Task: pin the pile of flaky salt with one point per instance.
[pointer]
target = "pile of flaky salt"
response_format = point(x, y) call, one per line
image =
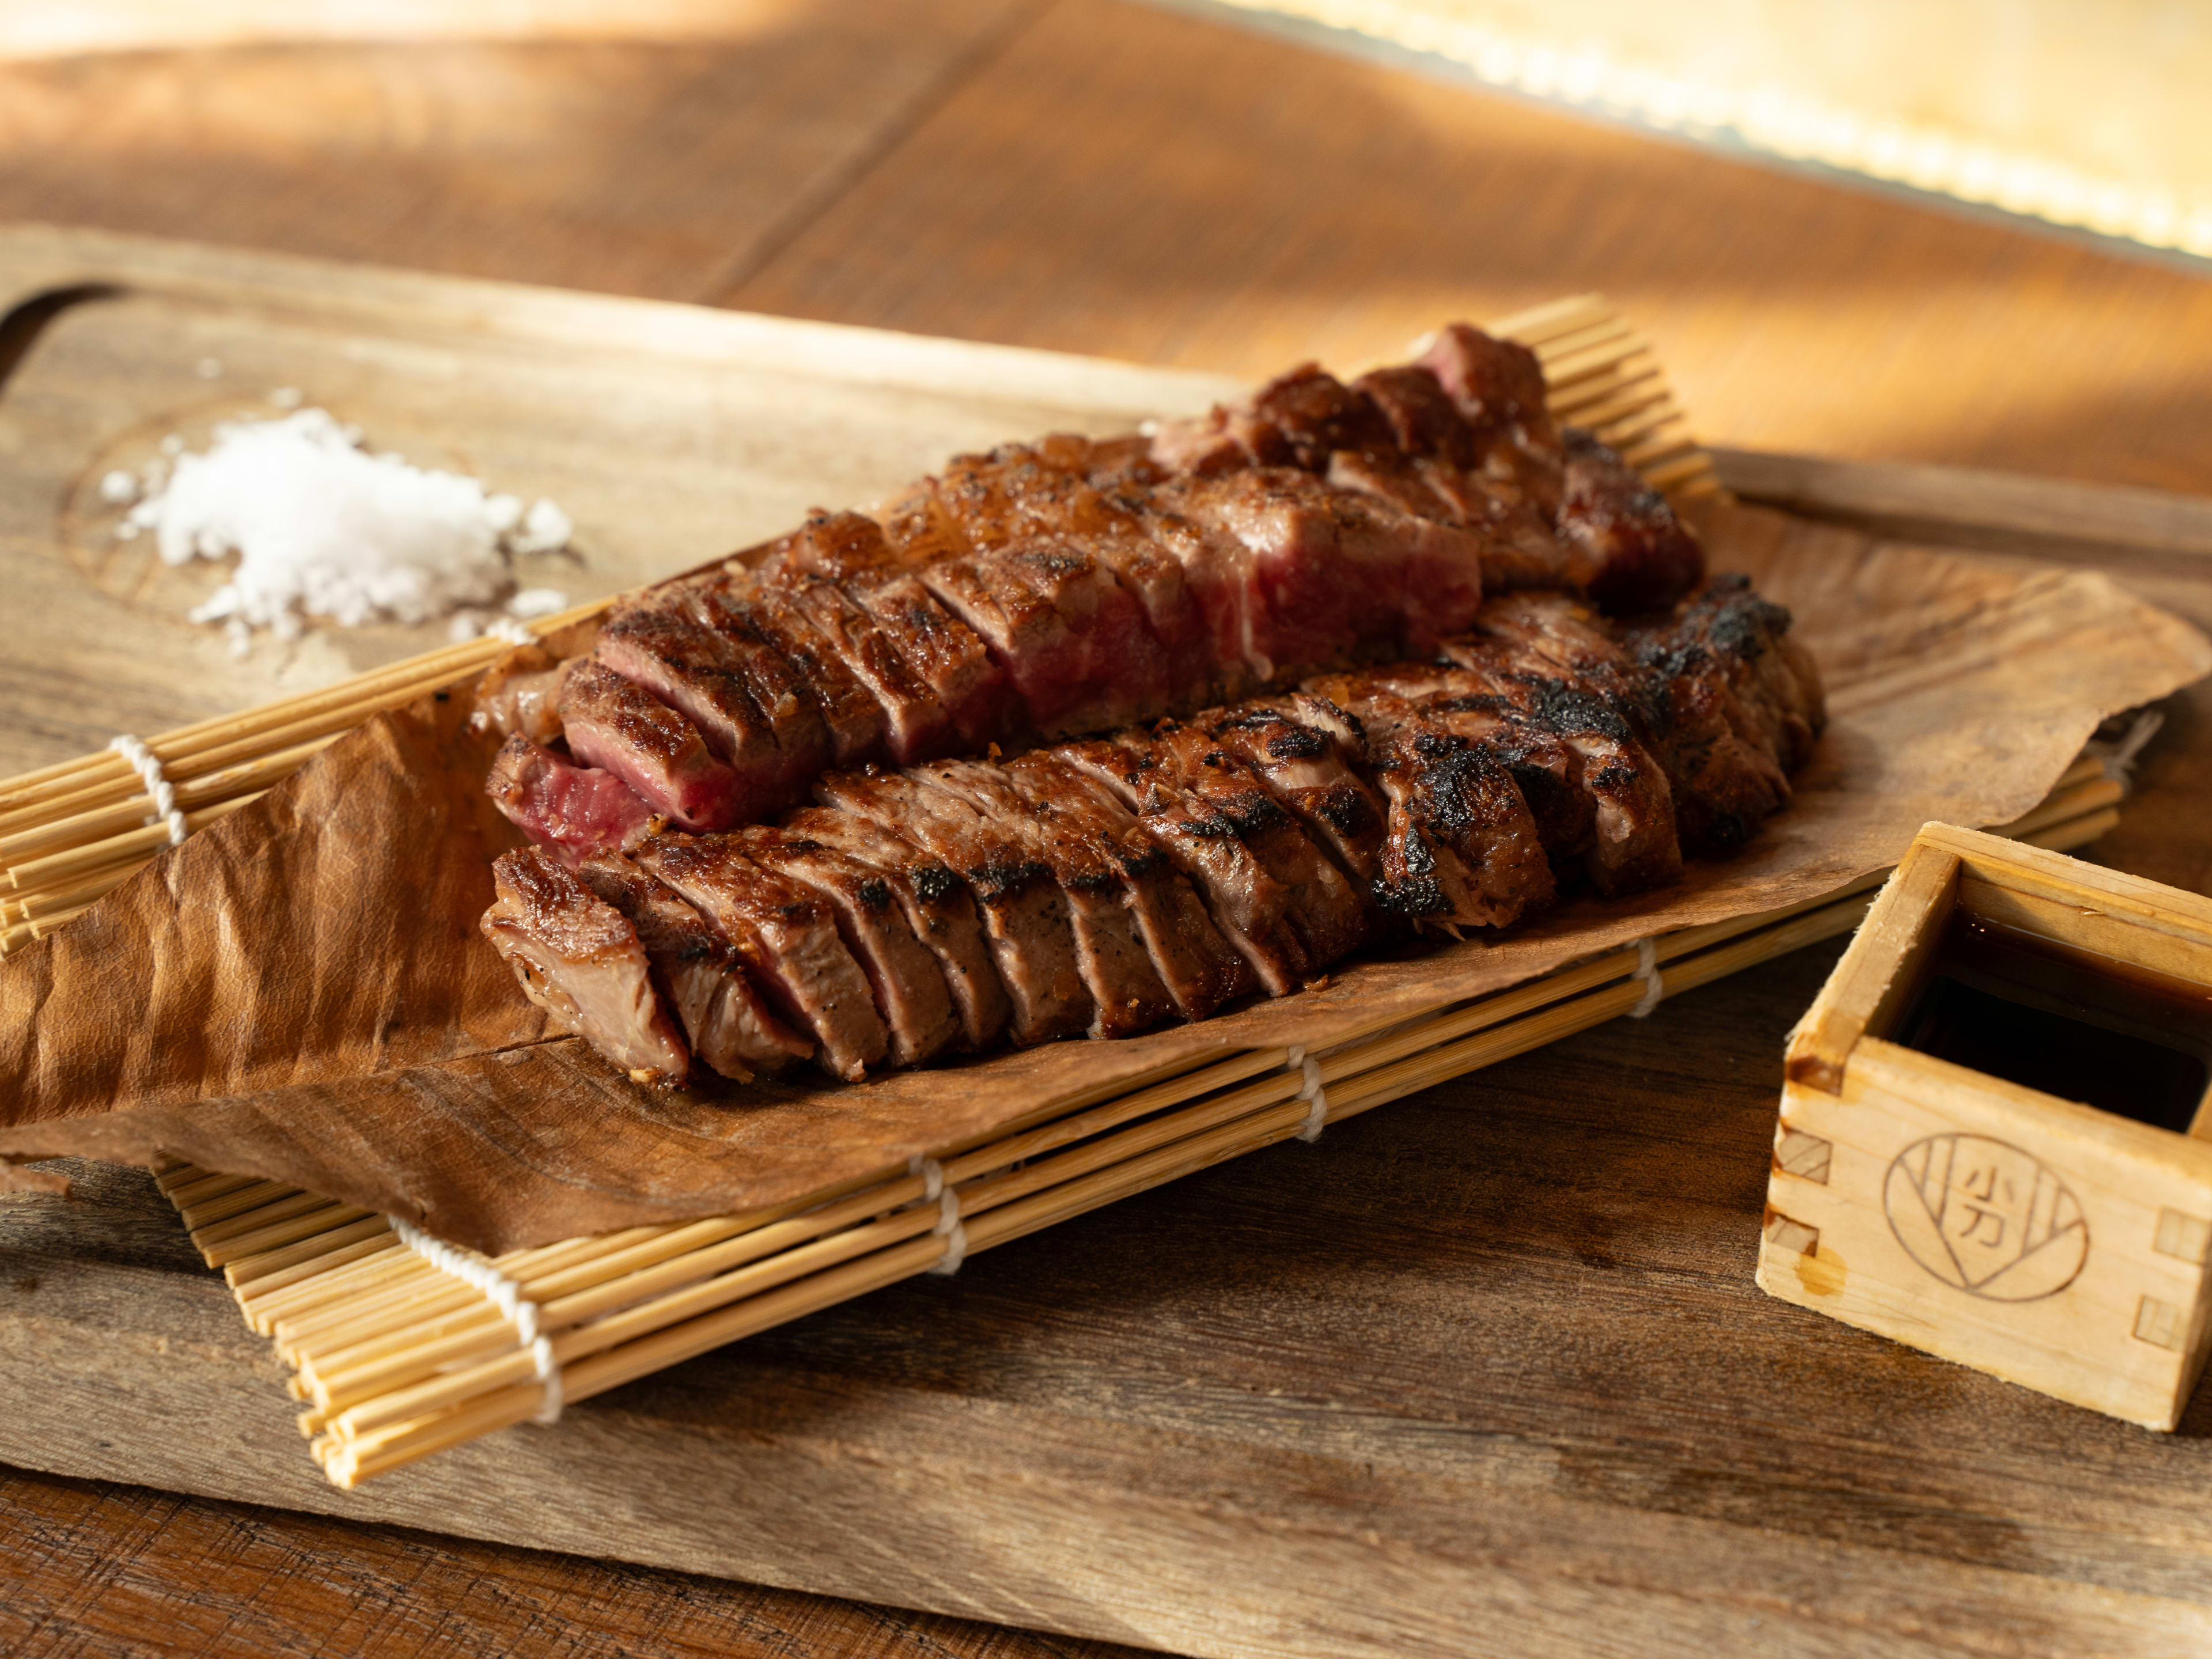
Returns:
point(322, 527)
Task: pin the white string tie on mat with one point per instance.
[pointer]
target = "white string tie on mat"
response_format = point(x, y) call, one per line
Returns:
point(1310, 1091)
point(504, 1293)
point(2116, 757)
point(1647, 971)
point(934, 1190)
point(148, 767)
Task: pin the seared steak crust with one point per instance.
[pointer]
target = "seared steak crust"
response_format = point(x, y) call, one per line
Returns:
point(578, 958)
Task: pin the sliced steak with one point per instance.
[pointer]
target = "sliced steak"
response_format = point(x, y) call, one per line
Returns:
point(1773, 675)
point(1026, 916)
point(579, 960)
point(1741, 706)
point(831, 546)
point(1188, 953)
point(1602, 798)
point(1462, 848)
point(787, 704)
point(1324, 577)
point(1303, 748)
point(1641, 557)
point(1326, 913)
point(1126, 994)
point(788, 939)
point(579, 811)
point(728, 1025)
point(1498, 388)
point(944, 655)
point(1676, 695)
point(660, 644)
point(653, 748)
point(937, 907)
point(1074, 643)
point(911, 992)
point(858, 723)
point(916, 725)
point(1251, 908)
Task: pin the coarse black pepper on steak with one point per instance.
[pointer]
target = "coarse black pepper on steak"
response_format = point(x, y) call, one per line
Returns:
point(1313, 731)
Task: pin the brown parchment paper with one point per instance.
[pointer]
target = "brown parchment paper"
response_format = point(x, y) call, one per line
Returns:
point(300, 992)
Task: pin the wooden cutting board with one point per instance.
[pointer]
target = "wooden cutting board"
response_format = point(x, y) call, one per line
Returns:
point(1482, 1372)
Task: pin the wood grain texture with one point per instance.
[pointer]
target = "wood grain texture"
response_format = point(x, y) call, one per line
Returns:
point(639, 166)
point(1162, 187)
point(97, 1567)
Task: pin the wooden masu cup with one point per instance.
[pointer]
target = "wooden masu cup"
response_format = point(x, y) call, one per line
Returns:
point(2045, 1242)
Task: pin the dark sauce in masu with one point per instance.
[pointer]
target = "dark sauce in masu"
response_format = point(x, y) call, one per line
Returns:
point(2069, 1022)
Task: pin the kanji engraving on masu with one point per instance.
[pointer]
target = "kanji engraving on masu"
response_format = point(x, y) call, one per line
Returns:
point(1986, 1218)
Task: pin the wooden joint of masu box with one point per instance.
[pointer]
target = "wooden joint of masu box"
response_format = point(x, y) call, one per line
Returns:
point(2055, 1244)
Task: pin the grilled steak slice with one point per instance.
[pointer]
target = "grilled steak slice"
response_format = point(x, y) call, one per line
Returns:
point(1297, 575)
point(1303, 748)
point(937, 908)
point(787, 704)
point(1193, 961)
point(1600, 797)
point(911, 992)
point(1774, 676)
point(1462, 848)
point(944, 655)
point(729, 1027)
point(832, 546)
point(1497, 385)
point(1026, 916)
point(1075, 643)
point(787, 938)
point(1248, 904)
point(1326, 912)
point(916, 726)
point(1125, 992)
point(653, 748)
point(581, 961)
point(579, 811)
point(1641, 555)
point(1679, 703)
point(1742, 704)
point(858, 723)
point(660, 644)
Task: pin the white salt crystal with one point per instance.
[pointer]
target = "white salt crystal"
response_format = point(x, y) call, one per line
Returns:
point(464, 626)
point(287, 397)
point(173, 444)
point(322, 528)
point(545, 529)
point(537, 602)
point(118, 486)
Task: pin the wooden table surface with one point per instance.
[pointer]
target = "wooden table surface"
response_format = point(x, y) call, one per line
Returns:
point(1082, 175)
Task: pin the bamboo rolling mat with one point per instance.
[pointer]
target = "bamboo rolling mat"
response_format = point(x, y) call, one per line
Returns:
point(398, 1356)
